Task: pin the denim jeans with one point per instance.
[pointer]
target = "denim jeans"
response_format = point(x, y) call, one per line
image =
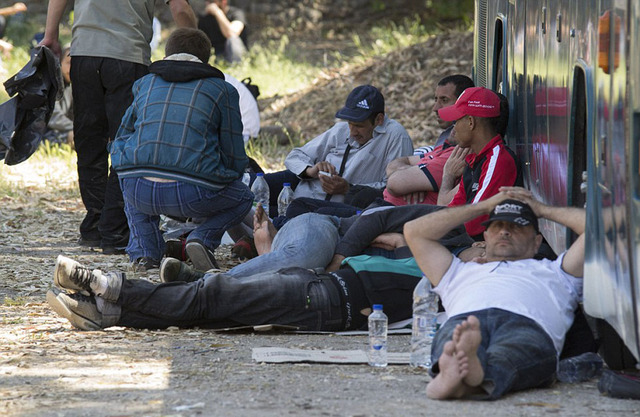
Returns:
point(515, 352)
point(101, 95)
point(307, 241)
point(145, 200)
point(293, 296)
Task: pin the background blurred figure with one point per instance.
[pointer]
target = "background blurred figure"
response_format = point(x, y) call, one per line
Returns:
point(226, 27)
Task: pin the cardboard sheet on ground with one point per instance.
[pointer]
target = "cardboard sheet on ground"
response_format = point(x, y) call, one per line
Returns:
point(286, 355)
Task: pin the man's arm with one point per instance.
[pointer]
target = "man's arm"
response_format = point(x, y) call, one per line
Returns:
point(55, 10)
point(572, 217)
point(403, 162)
point(11, 10)
point(183, 14)
point(423, 234)
point(228, 29)
point(408, 181)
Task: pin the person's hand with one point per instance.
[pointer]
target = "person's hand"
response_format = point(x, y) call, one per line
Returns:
point(324, 166)
point(476, 253)
point(212, 8)
point(19, 7)
point(456, 163)
point(389, 241)
point(333, 184)
point(52, 44)
point(526, 196)
point(415, 197)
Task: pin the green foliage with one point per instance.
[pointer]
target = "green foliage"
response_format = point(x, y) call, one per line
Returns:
point(451, 10)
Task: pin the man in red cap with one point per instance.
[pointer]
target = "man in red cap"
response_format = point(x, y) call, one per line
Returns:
point(480, 115)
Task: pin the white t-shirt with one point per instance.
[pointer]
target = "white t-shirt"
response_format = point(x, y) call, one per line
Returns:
point(248, 109)
point(537, 289)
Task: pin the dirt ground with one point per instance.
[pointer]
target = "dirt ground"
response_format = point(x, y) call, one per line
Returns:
point(49, 369)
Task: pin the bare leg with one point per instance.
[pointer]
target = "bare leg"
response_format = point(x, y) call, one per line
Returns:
point(449, 382)
point(467, 338)
point(263, 231)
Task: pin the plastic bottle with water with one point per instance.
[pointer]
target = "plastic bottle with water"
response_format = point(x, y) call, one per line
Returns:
point(378, 323)
point(580, 368)
point(423, 329)
point(260, 190)
point(284, 198)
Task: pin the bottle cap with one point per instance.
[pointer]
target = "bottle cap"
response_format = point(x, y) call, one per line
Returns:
point(260, 174)
point(286, 184)
point(377, 306)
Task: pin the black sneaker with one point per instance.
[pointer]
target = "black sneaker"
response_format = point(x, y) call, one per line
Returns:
point(144, 264)
point(201, 257)
point(79, 309)
point(113, 250)
point(175, 248)
point(89, 243)
point(71, 275)
point(172, 270)
point(620, 384)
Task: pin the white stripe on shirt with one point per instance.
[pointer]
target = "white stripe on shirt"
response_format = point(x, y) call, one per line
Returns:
point(487, 178)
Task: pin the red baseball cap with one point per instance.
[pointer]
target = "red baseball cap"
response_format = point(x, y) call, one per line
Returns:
point(474, 101)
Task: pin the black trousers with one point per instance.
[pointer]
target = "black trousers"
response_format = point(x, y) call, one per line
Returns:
point(101, 95)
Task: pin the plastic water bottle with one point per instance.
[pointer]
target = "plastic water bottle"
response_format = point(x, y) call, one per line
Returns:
point(260, 190)
point(378, 322)
point(580, 368)
point(425, 313)
point(284, 198)
point(246, 178)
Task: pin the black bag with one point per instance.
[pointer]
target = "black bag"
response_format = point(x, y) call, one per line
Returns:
point(255, 91)
point(24, 118)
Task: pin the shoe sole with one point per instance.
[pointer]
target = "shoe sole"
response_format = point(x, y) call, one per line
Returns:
point(59, 277)
point(76, 320)
point(163, 275)
point(199, 256)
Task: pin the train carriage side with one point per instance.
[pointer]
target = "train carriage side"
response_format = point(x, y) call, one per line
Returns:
point(571, 71)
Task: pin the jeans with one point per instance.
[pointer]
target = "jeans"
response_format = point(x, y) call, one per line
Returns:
point(145, 200)
point(515, 352)
point(101, 95)
point(307, 241)
point(293, 296)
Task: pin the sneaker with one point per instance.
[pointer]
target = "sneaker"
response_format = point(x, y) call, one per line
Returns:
point(113, 250)
point(201, 257)
point(172, 270)
point(79, 309)
point(144, 264)
point(89, 243)
point(71, 275)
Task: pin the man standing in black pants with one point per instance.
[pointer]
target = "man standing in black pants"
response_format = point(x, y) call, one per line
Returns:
point(110, 50)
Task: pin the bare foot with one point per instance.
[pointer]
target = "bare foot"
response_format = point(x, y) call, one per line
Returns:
point(449, 382)
point(467, 338)
point(263, 231)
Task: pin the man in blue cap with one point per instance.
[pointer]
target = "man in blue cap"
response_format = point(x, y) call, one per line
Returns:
point(355, 150)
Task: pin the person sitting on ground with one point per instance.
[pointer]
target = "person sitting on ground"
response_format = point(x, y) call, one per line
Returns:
point(481, 118)
point(61, 123)
point(353, 152)
point(508, 314)
point(416, 179)
point(179, 162)
point(226, 27)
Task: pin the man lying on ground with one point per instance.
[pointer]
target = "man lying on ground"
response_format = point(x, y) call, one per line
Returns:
point(508, 314)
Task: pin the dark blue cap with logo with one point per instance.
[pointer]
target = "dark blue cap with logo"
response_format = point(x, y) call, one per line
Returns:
point(513, 211)
point(363, 101)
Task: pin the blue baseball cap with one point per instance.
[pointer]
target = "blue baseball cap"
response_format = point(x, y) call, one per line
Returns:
point(362, 102)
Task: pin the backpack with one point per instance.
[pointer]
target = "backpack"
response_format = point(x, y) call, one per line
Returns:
point(254, 89)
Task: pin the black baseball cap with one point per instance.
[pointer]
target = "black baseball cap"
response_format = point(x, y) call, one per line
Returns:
point(513, 211)
point(361, 103)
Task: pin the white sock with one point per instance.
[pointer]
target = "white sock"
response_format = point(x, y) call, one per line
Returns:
point(99, 285)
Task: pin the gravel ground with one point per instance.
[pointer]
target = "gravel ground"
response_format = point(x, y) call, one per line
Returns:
point(49, 369)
